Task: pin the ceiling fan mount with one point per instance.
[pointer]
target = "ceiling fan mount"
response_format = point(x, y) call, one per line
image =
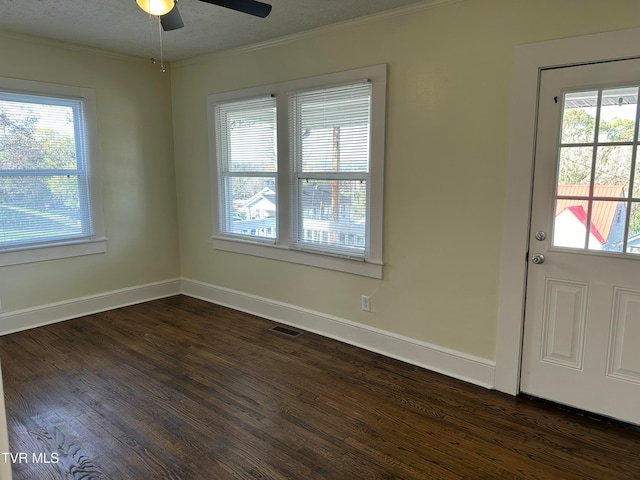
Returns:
point(170, 17)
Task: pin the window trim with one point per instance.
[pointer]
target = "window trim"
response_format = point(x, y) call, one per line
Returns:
point(65, 248)
point(372, 265)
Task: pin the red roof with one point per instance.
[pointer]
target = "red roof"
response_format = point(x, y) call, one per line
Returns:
point(581, 215)
point(603, 212)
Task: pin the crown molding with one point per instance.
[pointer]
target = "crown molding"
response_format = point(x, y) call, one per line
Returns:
point(315, 32)
point(49, 42)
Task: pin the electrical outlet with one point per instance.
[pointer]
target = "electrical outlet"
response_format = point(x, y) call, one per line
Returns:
point(365, 303)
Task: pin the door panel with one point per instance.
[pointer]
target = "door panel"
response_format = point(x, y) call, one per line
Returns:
point(623, 358)
point(563, 322)
point(582, 319)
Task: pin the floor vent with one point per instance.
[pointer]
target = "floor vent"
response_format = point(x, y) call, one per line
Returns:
point(286, 331)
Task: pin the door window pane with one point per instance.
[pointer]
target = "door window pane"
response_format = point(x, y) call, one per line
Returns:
point(579, 117)
point(633, 238)
point(613, 169)
point(607, 225)
point(636, 179)
point(575, 165)
point(569, 224)
point(618, 114)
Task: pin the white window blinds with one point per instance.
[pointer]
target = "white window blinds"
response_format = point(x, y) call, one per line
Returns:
point(247, 168)
point(44, 178)
point(314, 197)
point(330, 141)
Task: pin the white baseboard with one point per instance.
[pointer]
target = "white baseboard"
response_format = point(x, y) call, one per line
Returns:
point(449, 362)
point(57, 312)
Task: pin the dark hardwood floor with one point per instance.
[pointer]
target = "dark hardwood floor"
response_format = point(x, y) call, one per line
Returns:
point(182, 389)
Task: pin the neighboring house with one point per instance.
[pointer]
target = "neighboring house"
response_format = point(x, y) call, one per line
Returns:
point(257, 216)
point(570, 227)
point(261, 205)
point(317, 203)
point(607, 217)
point(326, 224)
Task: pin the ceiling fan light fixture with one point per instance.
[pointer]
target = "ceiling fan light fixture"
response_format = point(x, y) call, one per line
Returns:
point(156, 7)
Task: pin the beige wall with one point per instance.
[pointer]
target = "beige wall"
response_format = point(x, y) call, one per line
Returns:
point(450, 73)
point(137, 173)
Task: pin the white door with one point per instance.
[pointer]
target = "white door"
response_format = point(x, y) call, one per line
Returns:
point(582, 319)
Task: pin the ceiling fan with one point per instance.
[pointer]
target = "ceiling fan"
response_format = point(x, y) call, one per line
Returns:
point(170, 17)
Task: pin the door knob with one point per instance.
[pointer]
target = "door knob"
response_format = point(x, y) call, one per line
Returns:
point(538, 258)
point(541, 236)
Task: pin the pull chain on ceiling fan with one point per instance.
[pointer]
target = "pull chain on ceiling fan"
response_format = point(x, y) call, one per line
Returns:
point(169, 16)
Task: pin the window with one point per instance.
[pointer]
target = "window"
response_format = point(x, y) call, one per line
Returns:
point(246, 139)
point(48, 189)
point(330, 144)
point(597, 202)
point(298, 170)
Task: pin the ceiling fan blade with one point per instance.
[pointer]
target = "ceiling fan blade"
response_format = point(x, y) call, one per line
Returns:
point(252, 7)
point(172, 20)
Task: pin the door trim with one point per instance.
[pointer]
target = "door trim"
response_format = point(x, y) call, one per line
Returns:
point(529, 61)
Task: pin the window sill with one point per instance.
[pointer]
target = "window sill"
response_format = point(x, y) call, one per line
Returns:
point(368, 268)
point(52, 252)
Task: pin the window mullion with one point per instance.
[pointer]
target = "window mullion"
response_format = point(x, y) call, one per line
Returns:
point(285, 171)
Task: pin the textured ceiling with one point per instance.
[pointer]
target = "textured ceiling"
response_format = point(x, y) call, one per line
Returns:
point(120, 26)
